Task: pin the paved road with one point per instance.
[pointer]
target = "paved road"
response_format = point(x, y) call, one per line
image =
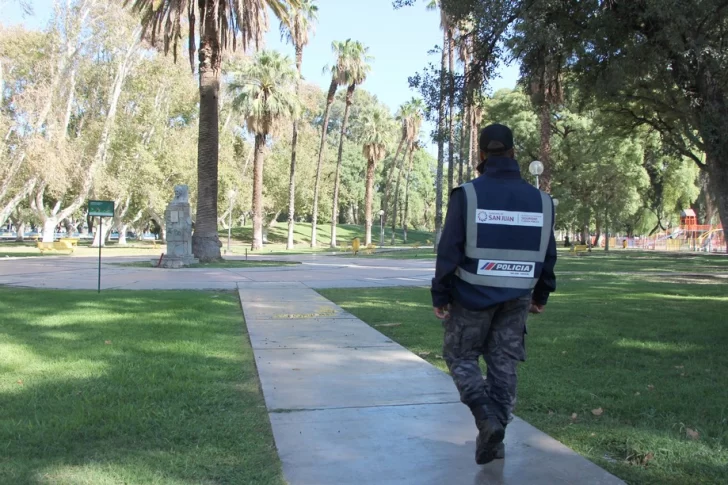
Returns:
point(314, 271)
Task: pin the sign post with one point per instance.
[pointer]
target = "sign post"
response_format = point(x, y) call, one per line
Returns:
point(100, 209)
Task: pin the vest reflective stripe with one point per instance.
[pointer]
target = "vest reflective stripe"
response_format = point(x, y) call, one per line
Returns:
point(472, 250)
point(496, 281)
point(471, 233)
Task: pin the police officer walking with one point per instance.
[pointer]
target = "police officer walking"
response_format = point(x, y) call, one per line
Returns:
point(495, 263)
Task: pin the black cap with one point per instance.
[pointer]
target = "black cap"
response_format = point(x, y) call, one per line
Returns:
point(496, 138)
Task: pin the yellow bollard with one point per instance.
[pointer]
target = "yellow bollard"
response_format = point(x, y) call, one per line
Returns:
point(355, 245)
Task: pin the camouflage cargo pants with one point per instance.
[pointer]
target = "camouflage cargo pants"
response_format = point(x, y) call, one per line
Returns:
point(497, 334)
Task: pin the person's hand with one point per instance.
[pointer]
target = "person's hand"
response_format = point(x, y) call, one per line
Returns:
point(536, 308)
point(442, 313)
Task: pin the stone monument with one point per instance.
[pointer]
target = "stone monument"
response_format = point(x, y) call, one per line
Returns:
point(178, 221)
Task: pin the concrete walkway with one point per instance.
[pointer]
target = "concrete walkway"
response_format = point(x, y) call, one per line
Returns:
point(348, 405)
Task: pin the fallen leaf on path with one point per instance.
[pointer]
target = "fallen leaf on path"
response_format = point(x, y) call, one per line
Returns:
point(597, 411)
point(692, 434)
point(107, 342)
point(387, 324)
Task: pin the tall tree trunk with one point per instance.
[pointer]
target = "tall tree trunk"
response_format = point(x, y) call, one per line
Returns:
point(316, 186)
point(545, 151)
point(335, 209)
point(718, 180)
point(475, 149)
point(606, 231)
point(461, 151)
point(451, 110)
point(396, 199)
point(368, 201)
point(710, 206)
point(294, 143)
point(405, 218)
point(390, 177)
point(14, 202)
point(20, 231)
point(101, 234)
point(205, 240)
point(258, 193)
point(440, 143)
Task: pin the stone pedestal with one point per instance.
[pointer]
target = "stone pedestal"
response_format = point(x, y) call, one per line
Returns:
point(178, 221)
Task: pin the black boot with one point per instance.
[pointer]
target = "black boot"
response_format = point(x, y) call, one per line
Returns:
point(500, 450)
point(489, 441)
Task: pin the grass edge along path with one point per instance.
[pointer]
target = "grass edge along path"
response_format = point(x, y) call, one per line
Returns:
point(627, 371)
point(154, 387)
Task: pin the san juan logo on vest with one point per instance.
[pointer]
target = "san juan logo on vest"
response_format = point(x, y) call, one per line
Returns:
point(513, 269)
point(508, 218)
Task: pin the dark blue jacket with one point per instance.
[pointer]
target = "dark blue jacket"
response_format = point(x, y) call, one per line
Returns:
point(502, 175)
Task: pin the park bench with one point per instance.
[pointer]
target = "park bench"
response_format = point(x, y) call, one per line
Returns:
point(55, 246)
point(73, 241)
point(579, 248)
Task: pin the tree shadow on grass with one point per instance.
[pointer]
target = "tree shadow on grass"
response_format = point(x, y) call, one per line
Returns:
point(130, 388)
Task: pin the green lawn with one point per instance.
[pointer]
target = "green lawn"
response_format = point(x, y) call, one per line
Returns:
point(225, 263)
point(278, 235)
point(616, 261)
point(649, 351)
point(153, 387)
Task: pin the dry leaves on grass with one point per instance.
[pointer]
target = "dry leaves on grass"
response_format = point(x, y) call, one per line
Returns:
point(692, 434)
point(573, 416)
point(551, 413)
point(20, 382)
point(641, 459)
point(107, 342)
point(597, 411)
point(650, 387)
point(387, 324)
point(423, 354)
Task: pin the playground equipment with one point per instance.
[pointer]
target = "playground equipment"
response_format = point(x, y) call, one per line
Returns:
point(689, 236)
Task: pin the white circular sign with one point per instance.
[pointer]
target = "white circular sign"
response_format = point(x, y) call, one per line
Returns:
point(536, 168)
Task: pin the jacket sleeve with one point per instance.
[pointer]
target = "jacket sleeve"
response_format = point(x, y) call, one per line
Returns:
point(547, 281)
point(450, 251)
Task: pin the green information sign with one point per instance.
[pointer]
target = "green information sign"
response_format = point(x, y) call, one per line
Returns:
point(101, 208)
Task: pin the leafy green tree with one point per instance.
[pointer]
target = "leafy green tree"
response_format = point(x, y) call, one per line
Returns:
point(265, 96)
point(376, 126)
point(359, 68)
point(300, 25)
point(349, 57)
point(221, 26)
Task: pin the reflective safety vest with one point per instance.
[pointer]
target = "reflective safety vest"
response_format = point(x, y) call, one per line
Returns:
point(505, 247)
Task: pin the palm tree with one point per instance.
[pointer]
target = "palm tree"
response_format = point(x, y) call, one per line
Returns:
point(220, 22)
point(358, 68)
point(265, 94)
point(376, 128)
point(300, 24)
point(405, 217)
point(411, 115)
point(339, 77)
